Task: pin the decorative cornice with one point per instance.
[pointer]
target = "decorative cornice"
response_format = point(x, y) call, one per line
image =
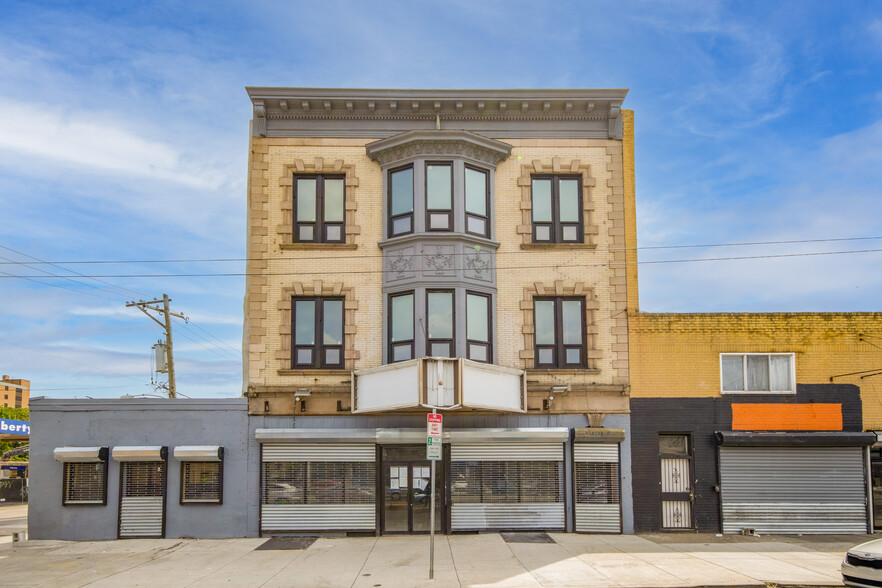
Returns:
point(305, 112)
point(442, 143)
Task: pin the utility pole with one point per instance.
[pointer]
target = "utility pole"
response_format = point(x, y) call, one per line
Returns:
point(166, 325)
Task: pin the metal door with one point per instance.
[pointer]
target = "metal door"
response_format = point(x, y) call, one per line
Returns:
point(793, 489)
point(407, 498)
point(142, 499)
point(675, 455)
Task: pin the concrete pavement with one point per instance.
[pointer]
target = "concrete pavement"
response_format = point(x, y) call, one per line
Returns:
point(460, 560)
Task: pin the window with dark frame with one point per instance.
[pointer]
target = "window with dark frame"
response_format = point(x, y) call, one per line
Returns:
point(401, 201)
point(440, 318)
point(319, 208)
point(557, 209)
point(478, 327)
point(317, 332)
point(401, 340)
point(559, 332)
point(439, 196)
point(84, 483)
point(202, 482)
point(477, 202)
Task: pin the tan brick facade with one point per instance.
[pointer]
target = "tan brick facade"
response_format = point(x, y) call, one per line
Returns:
point(678, 355)
point(279, 269)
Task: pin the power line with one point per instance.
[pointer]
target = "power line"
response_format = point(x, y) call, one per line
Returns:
point(500, 253)
point(496, 268)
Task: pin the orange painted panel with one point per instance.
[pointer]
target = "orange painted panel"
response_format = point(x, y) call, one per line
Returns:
point(786, 417)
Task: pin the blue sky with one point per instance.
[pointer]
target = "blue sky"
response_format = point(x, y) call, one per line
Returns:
point(123, 136)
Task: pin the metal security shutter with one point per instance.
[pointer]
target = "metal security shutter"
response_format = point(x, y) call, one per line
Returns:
point(318, 487)
point(793, 489)
point(507, 486)
point(597, 491)
point(142, 499)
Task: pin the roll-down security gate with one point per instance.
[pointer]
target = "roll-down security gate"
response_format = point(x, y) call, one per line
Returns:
point(793, 489)
point(507, 485)
point(597, 488)
point(143, 472)
point(318, 487)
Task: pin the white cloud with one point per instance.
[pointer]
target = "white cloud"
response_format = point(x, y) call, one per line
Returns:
point(93, 140)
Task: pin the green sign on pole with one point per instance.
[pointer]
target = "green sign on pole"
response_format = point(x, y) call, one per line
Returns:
point(433, 448)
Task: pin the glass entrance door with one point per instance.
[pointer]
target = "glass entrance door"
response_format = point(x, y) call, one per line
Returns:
point(407, 494)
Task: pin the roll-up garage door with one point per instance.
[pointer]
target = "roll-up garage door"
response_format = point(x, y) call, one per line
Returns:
point(793, 489)
point(507, 486)
point(597, 488)
point(142, 499)
point(318, 487)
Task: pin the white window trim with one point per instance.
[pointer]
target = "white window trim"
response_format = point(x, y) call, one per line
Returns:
point(792, 357)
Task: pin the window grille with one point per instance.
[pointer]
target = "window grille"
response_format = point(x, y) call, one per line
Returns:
point(318, 483)
point(597, 483)
point(506, 481)
point(85, 483)
point(201, 481)
point(143, 479)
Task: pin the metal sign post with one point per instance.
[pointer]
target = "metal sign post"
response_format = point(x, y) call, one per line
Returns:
point(433, 453)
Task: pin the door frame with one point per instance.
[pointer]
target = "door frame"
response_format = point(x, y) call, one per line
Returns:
point(442, 483)
point(673, 496)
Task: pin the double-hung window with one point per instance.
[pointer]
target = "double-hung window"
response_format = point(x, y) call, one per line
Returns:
point(557, 209)
point(440, 339)
point(401, 327)
point(439, 196)
point(478, 344)
point(560, 337)
point(319, 209)
point(401, 201)
point(317, 327)
point(477, 202)
point(757, 372)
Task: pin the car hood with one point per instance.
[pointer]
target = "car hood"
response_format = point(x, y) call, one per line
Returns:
point(869, 549)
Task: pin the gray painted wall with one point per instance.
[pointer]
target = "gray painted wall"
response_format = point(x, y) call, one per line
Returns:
point(59, 423)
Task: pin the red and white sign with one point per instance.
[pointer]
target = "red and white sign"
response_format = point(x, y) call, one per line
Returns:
point(433, 422)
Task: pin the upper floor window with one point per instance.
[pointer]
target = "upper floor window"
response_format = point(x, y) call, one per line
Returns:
point(401, 201)
point(557, 209)
point(439, 197)
point(440, 339)
point(478, 343)
point(317, 327)
point(319, 209)
point(477, 202)
point(757, 372)
point(560, 338)
point(401, 343)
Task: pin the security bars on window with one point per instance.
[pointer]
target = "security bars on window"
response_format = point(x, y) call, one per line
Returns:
point(201, 482)
point(512, 482)
point(318, 483)
point(85, 483)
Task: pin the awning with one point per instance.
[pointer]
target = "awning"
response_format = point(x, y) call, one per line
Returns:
point(412, 436)
point(80, 454)
point(798, 439)
point(140, 453)
point(199, 453)
point(598, 435)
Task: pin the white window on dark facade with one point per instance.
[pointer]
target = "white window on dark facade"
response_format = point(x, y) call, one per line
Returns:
point(757, 372)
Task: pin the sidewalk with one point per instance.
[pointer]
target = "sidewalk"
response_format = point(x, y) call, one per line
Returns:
point(460, 560)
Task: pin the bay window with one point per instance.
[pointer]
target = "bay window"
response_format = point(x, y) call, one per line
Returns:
point(439, 311)
point(478, 346)
point(439, 197)
point(401, 341)
point(401, 201)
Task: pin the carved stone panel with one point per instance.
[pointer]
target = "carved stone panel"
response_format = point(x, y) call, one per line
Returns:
point(478, 265)
point(401, 264)
point(439, 260)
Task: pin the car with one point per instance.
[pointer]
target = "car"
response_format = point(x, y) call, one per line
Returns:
point(862, 566)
